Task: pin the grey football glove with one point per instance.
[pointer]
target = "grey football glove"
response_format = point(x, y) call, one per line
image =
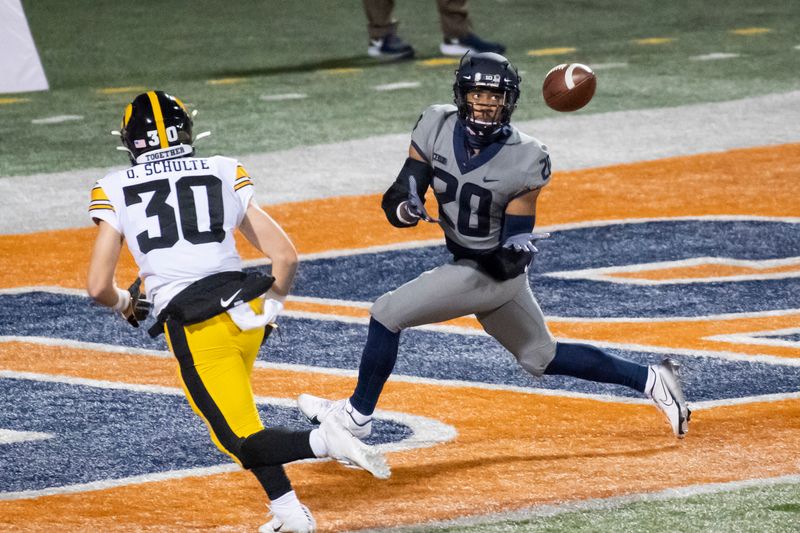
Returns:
point(525, 242)
point(140, 307)
point(414, 205)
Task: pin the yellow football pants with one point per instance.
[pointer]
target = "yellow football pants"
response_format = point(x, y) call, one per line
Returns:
point(215, 361)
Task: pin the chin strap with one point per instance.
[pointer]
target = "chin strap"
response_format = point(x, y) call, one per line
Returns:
point(478, 141)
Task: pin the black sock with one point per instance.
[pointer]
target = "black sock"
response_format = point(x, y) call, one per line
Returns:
point(377, 363)
point(593, 364)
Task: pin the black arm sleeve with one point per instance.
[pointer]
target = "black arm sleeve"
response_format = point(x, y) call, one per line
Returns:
point(398, 192)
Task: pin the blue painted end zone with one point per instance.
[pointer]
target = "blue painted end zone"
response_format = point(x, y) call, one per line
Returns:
point(426, 354)
point(104, 434)
point(366, 276)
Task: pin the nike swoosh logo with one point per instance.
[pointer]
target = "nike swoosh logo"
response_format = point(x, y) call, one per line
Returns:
point(487, 180)
point(667, 397)
point(226, 303)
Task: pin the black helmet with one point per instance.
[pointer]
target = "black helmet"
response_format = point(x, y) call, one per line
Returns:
point(156, 126)
point(491, 71)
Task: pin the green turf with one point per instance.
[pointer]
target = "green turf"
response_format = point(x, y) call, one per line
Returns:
point(279, 47)
point(774, 509)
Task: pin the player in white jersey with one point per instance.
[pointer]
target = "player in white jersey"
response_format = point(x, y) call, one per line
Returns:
point(486, 176)
point(177, 213)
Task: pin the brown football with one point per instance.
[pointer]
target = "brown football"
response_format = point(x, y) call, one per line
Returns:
point(569, 87)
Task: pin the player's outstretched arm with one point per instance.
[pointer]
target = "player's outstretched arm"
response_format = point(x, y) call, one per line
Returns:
point(266, 235)
point(100, 281)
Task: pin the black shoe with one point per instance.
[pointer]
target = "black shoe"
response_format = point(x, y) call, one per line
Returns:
point(469, 43)
point(390, 47)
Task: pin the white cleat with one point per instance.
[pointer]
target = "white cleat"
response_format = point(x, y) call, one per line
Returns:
point(317, 409)
point(667, 395)
point(350, 451)
point(297, 521)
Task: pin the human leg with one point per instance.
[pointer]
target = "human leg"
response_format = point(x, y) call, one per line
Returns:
point(457, 30)
point(454, 18)
point(212, 358)
point(380, 18)
point(520, 327)
point(215, 359)
point(382, 29)
point(446, 292)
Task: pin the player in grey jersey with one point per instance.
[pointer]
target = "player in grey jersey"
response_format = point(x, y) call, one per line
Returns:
point(486, 176)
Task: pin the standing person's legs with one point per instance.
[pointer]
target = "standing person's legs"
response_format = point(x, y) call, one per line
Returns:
point(454, 18)
point(380, 19)
point(384, 43)
point(459, 37)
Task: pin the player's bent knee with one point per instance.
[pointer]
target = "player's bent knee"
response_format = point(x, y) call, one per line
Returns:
point(273, 446)
point(382, 312)
point(536, 359)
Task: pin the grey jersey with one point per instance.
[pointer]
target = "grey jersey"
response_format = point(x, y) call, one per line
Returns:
point(473, 192)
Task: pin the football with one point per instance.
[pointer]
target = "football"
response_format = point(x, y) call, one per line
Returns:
point(569, 87)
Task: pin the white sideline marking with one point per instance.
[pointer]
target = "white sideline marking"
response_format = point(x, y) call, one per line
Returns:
point(714, 56)
point(605, 274)
point(56, 119)
point(760, 338)
point(607, 66)
point(599, 504)
point(112, 483)
point(282, 97)
point(426, 432)
point(8, 436)
point(397, 86)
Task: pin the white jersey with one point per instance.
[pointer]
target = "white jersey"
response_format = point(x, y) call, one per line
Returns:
point(178, 217)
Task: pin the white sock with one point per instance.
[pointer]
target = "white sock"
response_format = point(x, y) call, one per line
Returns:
point(651, 379)
point(284, 505)
point(317, 443)
point(357, 416)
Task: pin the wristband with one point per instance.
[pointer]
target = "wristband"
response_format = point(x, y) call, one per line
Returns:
point(124, 300)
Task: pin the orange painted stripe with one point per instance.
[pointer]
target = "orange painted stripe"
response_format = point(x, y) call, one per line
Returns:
point(683, 334)
point(705, 271)
point(697, 185)
point(541, 450)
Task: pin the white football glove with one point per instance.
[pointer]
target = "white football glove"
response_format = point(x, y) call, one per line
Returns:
point(245, 318)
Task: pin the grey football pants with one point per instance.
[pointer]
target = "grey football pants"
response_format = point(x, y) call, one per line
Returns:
point(507, 310)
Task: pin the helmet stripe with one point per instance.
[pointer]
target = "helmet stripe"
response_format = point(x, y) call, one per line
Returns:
point(159, 116)
point(127, 116)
